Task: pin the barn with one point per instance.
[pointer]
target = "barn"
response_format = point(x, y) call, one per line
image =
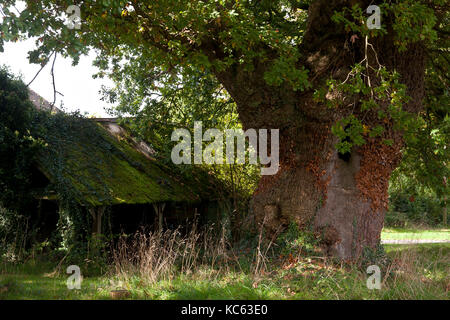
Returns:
point(102, 168)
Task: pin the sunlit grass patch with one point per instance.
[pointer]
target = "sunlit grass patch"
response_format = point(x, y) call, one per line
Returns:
point(415, 234)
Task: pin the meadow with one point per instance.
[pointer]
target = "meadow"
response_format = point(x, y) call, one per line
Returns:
point(180, 270)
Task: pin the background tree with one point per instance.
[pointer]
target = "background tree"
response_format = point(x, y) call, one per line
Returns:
point(17, 145)
point(343, 96)
point(18, 148)
point(425, 163)
point(153, 110)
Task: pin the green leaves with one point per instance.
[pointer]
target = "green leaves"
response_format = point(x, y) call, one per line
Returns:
point(354, 20)
point(211, 35)
point(349, 130)
point(285, 70)
point(17, 145)
point(384, 102)
point(413, 22)
point(156, 50)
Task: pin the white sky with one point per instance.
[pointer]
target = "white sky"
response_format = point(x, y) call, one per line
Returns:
point(80, 90)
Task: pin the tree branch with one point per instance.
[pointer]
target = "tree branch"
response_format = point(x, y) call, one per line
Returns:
point(42, 67)
point(53, 80)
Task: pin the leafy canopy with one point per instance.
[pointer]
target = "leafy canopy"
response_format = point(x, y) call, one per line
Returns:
point(156, 44)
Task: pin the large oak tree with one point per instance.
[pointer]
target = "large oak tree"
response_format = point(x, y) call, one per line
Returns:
point(342, 95)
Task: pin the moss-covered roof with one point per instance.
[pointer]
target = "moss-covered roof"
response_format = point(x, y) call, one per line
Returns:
point(101, 167)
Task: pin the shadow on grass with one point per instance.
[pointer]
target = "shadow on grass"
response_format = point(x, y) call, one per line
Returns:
point(40, 287)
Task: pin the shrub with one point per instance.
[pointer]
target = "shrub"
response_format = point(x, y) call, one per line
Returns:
point(14, 232)
point(17, 146)
point(415, 209)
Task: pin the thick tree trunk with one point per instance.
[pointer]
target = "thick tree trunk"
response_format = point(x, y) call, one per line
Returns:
point(343, 200)
point(338, 199)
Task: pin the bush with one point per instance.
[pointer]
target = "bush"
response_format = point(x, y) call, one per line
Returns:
point(14, 233)
point(395, 219)
point(17, 146)
point(408, 209)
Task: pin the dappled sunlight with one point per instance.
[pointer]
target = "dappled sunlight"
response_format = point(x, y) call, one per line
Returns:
point(415, 272)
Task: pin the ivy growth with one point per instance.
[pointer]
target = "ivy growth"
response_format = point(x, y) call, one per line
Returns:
point(18, 146)
point(385, 100)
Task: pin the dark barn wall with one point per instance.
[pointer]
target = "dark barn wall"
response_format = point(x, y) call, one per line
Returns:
point(128, 219)
point(43, 220)
point(38, 180)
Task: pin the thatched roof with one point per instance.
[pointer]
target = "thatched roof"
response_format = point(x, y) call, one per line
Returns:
point(103, 164)
point(40, 103)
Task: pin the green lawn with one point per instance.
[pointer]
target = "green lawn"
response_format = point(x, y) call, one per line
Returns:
point(38, 281)
point(420, 272)
point(415, 234)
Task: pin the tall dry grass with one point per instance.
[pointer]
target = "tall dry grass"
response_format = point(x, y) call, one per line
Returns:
point(154, 256)
point(150, 257)
point(415, 274)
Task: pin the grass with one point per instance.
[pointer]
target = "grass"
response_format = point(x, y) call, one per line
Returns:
point(36, 280)
point(416, 272)
point(415, 234)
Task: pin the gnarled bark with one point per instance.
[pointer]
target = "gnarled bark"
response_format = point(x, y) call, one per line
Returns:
point(342, 199)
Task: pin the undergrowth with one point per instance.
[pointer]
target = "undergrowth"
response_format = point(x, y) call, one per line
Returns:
point(204, 265)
